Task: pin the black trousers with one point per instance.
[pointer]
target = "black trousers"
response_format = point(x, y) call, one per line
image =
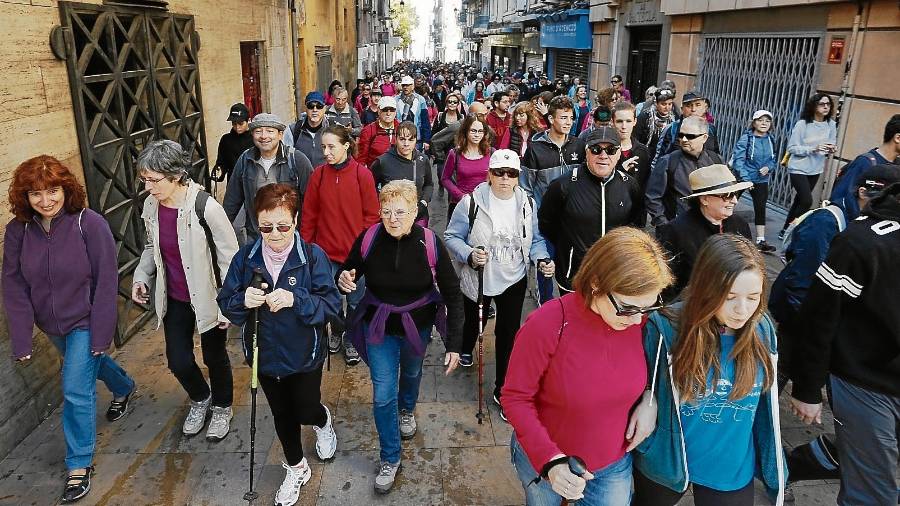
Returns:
point(760, 195)
point(294, 400)
point(649, 493)
point(509, 318)
point(803, 185)
point(178, 325)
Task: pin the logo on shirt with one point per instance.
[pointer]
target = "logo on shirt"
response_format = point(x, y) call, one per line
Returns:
point(292, 280)
point(574, 157)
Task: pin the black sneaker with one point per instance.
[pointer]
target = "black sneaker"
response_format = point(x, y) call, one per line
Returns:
point(117, 409)
point(490, 312)
point(77, 486)
point(781, 235)
point(765, 247)
point(466, 360)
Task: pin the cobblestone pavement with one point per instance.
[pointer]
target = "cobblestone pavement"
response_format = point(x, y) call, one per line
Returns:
point(144, 459)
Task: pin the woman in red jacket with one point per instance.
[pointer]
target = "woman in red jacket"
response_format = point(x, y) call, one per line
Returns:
point(340, 203)
point(557, 405)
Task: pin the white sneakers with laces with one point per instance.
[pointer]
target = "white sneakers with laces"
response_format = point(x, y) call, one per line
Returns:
point(326, 438)
point(294, 478)
point(196, 417)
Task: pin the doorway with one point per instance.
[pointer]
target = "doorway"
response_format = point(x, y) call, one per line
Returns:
point(250, 75)
point(643, 60)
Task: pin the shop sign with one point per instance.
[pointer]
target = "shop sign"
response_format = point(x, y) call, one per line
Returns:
point(572, 32)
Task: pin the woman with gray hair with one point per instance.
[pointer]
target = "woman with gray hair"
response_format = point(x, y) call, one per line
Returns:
point(190, 242)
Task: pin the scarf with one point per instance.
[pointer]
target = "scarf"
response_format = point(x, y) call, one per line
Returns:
point(657, 123)
point(275, 260)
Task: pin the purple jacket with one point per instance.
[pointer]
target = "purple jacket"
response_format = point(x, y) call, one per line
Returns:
point(62, 281)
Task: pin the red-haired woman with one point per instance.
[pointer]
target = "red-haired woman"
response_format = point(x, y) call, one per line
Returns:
point(60, 273)
point(526, 123)
point(297, 298)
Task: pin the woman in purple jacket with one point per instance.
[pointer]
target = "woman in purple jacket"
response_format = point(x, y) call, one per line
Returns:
point(60, 273)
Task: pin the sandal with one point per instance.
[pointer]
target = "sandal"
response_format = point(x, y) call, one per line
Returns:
point(117, 409)
point(77, 486)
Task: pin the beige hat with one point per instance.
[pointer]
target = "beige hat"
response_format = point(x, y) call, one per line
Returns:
point(714, 180)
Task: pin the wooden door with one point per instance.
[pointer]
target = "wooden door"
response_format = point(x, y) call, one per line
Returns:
point(250, 75)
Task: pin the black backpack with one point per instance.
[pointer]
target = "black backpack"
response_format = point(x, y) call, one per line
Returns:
point(200, 211)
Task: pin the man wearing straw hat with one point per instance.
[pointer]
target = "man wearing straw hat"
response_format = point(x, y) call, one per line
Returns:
point(714, 193)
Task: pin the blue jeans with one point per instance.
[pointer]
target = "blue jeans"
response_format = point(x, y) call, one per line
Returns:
point(353, 298)
point(392, 362)
point(80, 371)
point(611, 485)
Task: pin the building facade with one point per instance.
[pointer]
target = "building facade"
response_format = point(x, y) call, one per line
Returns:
point(373, 37)
point(327, 43)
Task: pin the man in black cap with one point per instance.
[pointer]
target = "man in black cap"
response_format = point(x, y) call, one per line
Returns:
point(232, 144)
point(582, 207)
point(692, 104)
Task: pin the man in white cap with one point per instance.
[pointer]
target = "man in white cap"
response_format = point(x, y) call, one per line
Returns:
point(269, 161)
point(378, 136)
point(413, 107)
point(714, 193)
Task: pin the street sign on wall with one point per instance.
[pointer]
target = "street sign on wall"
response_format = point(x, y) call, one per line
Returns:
point(569, 31)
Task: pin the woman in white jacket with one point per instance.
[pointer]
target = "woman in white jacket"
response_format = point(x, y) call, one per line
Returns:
point(188, 275)
point(495, 228)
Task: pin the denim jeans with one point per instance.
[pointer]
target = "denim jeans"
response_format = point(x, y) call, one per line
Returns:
point(353, 298)
point(80, 371)
point(390, 363)
point(611, 485)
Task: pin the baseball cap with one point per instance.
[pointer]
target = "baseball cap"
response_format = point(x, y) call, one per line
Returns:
point(314, 96)
point(238, 112)
point(265, 119)
point(878, 177)
point(385, 102)
point(691, 96)
point(762, 112)
point(602, 135)
point(504, 159)
point(407, 80)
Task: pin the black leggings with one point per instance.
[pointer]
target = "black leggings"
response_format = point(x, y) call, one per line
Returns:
point(803, 185)
point(294, 400)
point(649, 493)
point(760, 195)
point(509, 318)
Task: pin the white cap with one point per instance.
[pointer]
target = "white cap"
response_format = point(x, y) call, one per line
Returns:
point(407, 80)
point(385, 102)
point(480, 75)
point(504, 159)
point(760, 113)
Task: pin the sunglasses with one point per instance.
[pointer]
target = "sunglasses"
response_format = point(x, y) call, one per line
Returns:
point(315, 105)
point(388, 109)
point(690, 137)
point(596, 149)
point(629, 310)
point(452, 102)
point(729, 195)
point(267, 229)
point(510, 173)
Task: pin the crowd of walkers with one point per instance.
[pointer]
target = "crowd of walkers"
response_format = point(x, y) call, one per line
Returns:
point(651, 366)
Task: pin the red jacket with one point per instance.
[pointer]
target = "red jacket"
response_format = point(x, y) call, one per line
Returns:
point(375, 141)
point(339, 204)
point(499, 126)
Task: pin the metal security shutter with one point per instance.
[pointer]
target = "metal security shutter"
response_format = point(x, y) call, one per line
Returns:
point(574, 63)
point(534, 60)
point(741, 74)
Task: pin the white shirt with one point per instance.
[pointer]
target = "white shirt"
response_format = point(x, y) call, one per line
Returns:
point(506, 262)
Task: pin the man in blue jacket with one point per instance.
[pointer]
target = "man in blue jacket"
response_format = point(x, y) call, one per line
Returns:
point(844, 190)
point(412, 107)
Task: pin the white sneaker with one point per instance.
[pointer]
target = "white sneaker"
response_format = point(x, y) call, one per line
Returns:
point(407, 425)
point(326, 438)
point(196, 418)
point(219, 424)
point(294, 478)
point(387, 474)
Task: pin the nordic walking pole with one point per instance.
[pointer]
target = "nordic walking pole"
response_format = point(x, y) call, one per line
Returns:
point(255, 282)
point(480, 415)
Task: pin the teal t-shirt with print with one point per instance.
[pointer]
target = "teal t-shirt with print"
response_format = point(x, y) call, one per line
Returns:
point(718, 431)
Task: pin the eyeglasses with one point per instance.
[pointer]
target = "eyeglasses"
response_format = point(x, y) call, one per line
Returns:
point(596, 149)
point(500, 172)
point(629, 310)
point(615, 82)
point(267, 229)
point(399, 213)
point(728, 196)
point(690, 137)
point(315, 105)
point(476, 131)
point(148, 180)
point(825, 102)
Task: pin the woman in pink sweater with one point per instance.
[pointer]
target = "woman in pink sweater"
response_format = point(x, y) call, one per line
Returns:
point(467, 164)
point(577, 370)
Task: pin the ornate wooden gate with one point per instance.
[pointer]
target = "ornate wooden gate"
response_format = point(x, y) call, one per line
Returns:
point(134, 78)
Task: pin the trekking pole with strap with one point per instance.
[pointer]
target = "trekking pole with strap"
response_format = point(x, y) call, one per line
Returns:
point(480, 415)
point(255, 282)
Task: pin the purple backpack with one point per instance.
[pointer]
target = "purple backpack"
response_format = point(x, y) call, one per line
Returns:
point(430, 246)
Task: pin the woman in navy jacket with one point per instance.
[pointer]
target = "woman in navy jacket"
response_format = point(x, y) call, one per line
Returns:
point(297, 298)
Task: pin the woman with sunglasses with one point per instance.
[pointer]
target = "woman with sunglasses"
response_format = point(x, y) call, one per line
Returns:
point(454, 112)
point(187, 275)
point(578, 369)
point(494, 229)
point(812, 139)
point(712, 360)
point(467, 163)
point(714, 194)
point(295, 300)
point(407, 281)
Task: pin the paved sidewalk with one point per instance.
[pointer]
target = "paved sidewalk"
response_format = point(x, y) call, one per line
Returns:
point(143, 459)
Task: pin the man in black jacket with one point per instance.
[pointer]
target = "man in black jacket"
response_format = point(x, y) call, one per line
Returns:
point(852, 333)
point(232, 144)
point(668, 183)
point(580, 208)
point(714, 192)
